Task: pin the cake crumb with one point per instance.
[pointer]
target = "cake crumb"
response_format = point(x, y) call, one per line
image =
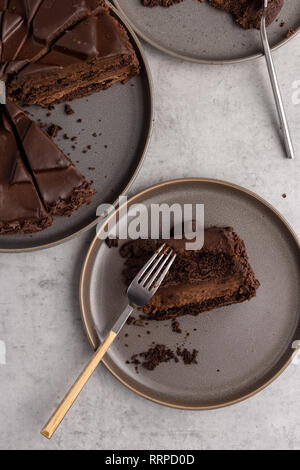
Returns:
point(53, 130)
point(69, 110)
point(188, 357)
point(176, 327)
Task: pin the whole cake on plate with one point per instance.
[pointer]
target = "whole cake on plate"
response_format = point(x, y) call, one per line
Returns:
point(246, 12)
point(217, 275)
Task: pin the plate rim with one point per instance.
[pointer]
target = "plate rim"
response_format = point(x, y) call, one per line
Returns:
point(142, 158)
point(88, 323)
point(196, 60)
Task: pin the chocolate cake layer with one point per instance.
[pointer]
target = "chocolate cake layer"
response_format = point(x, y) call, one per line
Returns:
point(21, 210)
point(217, 275)
point(247, 13)
point(93, 55)
point(61, 187)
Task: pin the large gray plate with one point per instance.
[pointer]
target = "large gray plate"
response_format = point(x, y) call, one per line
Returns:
point(201, 33)
point(123, 117)
point(242, 348)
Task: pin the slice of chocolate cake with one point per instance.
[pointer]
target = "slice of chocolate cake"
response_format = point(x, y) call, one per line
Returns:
point(92, 56)
point(217, 275)
point(21, 210)
point(247, 13)
point(61, 187)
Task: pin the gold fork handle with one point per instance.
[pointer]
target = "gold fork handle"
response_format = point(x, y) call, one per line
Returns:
point(74, 391)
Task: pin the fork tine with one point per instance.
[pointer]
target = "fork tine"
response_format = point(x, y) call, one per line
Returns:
point(147, 265)
point(155, 265)
point(163, 275)
point(158, 271)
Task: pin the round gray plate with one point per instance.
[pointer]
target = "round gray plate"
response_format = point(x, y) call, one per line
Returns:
point(201, 33)
point(122, 118)
point(243, 347)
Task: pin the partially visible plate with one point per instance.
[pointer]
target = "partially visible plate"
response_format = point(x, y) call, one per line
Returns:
point(201, 33)
point(242, 348)
point(122, 118)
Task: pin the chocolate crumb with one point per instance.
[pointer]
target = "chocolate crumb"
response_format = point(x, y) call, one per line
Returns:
point(53, 130)
point(176, 327)
point(188, 357)
point(139, 323)
point(113, 243)
point(79, 120)
point(155, 356)
point(94, 134)
point(284, 195)
point(68, 109)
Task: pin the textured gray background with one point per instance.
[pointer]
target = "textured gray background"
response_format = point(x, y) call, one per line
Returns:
point(211, 121)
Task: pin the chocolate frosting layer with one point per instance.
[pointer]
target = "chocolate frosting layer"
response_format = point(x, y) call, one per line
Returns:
point(41, 22)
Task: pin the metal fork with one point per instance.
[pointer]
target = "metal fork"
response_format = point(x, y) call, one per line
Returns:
point(140, 291)
point(275, 85)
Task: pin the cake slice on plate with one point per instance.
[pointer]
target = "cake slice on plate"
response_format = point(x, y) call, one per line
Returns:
point(21, 210)
point(92, 55)
point(61, 187)
point(247, 13)
point(217, 275)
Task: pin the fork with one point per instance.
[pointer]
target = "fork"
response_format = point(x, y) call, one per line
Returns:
point(140, 291)
point(275, 85)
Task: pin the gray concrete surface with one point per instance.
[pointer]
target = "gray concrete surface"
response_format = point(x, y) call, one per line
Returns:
point(211, 121)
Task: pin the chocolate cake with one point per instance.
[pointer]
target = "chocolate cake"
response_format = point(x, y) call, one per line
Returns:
point(217, 275)
point(55, 50)
point(61, 187)
point(246, 12)
point(21, 210)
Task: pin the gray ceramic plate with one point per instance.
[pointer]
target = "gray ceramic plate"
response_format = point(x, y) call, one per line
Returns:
point(122, 119)
point(201, 33)
point(242, 348)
